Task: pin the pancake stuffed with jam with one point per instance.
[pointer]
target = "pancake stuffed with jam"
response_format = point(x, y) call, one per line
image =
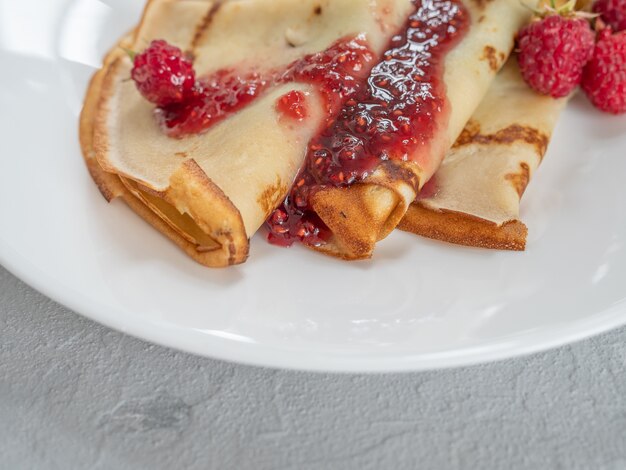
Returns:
point(210, 187)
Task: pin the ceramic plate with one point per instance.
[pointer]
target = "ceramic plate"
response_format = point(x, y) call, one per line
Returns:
point(418, 304)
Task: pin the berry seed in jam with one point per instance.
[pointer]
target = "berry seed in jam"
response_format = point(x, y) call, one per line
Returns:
point(391, 111)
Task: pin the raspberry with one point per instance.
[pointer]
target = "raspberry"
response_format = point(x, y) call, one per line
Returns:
point(163, 74)
point(604, 78)
point(613, 13)
point(553, 52)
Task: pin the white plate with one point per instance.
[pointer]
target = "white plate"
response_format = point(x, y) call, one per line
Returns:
point(418, 305)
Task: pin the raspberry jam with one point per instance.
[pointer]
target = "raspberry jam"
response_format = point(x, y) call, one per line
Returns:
point(392, 110)
point(339, 72)
point(214, 98)
point(292, 105)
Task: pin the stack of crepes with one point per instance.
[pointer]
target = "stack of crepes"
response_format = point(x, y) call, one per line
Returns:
point(211, 192)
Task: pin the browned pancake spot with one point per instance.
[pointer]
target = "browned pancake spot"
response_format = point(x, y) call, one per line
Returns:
point(232, 250)
point(509, 135)
point(395, 172)
point(272, 196)
point(490, 54)
point(469, 133)
point(520, 180)
point(205, 24)
point(317, 10)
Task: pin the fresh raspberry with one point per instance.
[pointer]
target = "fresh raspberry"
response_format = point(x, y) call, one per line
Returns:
point(613, 13)
point(553, 51)
point(163, 74)
point(604, 78)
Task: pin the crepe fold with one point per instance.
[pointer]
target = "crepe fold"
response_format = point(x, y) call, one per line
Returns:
point(211, 192)
point(474, 198)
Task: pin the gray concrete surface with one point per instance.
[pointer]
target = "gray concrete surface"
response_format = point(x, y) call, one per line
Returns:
point(75, 395)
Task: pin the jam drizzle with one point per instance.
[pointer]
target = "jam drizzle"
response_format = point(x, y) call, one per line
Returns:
point(393, 113)
point(214, 98)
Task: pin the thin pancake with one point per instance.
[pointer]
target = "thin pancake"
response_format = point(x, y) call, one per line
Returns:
point(475, 196)
point(111, 186)
point(365, 213)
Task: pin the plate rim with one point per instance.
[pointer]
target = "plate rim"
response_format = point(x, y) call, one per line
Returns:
point(211, 347)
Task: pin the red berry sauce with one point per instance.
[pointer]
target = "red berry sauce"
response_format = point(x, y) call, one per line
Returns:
point(292, 105)
point(214, 98)
point(391, 111)
point(338, 72)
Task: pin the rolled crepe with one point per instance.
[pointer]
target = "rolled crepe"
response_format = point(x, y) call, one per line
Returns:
point(365, 213)
point(211, 192)
point(474, 198)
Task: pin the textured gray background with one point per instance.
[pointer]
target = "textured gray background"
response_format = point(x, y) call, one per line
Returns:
point(75, 395)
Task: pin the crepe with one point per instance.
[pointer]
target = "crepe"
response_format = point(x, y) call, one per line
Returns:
point(474, 198)
point(365, 213)
point(210, 193)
